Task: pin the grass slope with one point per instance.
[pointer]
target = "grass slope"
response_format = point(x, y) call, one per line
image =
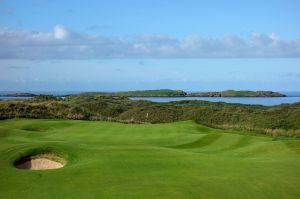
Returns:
point(173, 160)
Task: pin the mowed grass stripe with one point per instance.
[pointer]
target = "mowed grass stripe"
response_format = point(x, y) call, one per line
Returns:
point(203, 141)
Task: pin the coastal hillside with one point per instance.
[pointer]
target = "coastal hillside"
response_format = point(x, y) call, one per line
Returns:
point(170, 93)
point(180, 93)
point(234, 93)
point(141, 93)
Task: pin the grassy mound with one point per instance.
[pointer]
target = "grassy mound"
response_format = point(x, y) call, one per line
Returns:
point(159, 161)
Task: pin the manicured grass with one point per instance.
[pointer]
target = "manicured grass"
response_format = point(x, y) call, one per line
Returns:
point(129, 161)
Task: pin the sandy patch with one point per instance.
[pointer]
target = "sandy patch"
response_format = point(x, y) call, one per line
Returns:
point(40, 162)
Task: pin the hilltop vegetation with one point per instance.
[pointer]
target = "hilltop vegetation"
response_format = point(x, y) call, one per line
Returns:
point(233, 93)
point(142, 93)
point(275, 120)
point(170, 93)
point(180, 93)
point(18, 95)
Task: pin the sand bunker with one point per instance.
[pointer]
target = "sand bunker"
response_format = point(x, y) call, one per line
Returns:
point(40, 162)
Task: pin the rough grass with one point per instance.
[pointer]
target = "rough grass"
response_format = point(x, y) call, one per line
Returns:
point(281, 120)
point(181, 160)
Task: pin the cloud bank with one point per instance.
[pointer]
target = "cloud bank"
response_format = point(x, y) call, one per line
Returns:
point(62, 43)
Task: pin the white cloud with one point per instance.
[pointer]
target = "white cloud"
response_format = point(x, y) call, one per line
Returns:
point(60, 32)
point(65, 44)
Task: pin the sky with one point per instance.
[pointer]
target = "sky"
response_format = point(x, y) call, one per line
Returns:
point(94, 45)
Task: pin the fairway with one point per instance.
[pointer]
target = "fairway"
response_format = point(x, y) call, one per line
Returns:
point(181, 160)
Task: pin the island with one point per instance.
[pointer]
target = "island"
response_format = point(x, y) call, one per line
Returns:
point(18, 95)
point(142, 93)
point(181, 93)
point(167, 93)
point(234, 93)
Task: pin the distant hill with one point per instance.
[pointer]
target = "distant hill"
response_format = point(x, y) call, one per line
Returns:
point(234, 93)
point(170, 93)
point(180, 93)
point(19, 95)
point(142, 93)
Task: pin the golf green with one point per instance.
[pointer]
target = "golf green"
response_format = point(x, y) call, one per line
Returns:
point(181, 160)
